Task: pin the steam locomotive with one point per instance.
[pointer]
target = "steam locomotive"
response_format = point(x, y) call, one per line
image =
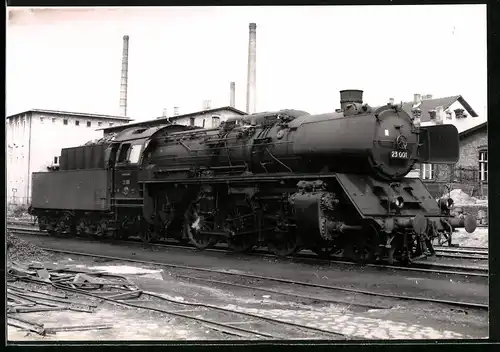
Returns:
point(333, 183)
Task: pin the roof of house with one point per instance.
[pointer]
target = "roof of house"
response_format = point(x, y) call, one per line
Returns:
point(71, 113)
point(471, 130)
point(430, 104)
point(163, 120)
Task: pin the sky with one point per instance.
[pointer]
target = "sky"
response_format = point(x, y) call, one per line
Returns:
point(70, 59)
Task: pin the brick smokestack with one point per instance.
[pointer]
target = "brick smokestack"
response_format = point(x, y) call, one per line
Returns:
point(232, 94)
point(251, 80)
point(124, 78)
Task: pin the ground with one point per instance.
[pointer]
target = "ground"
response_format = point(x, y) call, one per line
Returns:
point(478, 238)
point(398, 321)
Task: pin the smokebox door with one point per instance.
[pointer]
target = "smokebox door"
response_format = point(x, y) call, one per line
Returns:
point(439, 145)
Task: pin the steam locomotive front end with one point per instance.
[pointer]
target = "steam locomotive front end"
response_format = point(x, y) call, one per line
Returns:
point(371, 150)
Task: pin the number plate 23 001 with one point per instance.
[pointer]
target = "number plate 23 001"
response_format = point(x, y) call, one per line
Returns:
point(399, 154)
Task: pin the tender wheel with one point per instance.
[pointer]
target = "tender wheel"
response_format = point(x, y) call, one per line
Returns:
point(284, 244)
point(83, 228)
point(194, 223)
point(101, 230)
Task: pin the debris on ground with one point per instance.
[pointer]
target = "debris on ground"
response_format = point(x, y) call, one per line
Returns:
point(21, 250)
point(59, 284)
point(461, 198)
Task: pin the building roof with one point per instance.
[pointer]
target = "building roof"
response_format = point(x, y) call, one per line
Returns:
point(70, 113)
point(207, 111)
point(474, 129)
point(430, 104)
point(166, 120)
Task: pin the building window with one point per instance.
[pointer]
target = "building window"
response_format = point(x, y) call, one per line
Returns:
point(191, 121)
point(459, 113)
point(41, 119)
point(53, 120)
point(65, 121)
point(77, 123)
point(56, 160)
point(483, 165)
point(427, 172)
point(111, 123)
point(215, 121)
point(99, 123)
point(89, 123)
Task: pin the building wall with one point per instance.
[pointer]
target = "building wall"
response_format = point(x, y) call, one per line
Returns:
point(17, 135)
point(49, 135)
point(199, 118)
point(470, 146)
point(469, 158)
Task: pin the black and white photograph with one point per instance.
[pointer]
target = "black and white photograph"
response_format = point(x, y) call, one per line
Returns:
point(247, 173)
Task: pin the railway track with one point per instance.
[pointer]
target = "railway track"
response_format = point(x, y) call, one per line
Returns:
point(310, 257)
point(460, 253)
point(225, 320)
point(258, 283)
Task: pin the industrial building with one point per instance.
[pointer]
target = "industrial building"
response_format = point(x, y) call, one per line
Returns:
point(35, 139)
point(205, 118)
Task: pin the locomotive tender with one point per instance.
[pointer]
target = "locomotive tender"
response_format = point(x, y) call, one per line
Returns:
point(333, 183)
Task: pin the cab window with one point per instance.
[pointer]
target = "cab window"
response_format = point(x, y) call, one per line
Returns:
point(135, 153)
point(123, 153)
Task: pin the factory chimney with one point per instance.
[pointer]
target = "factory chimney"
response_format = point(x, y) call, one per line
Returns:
point(251, 80)
point(124, 78)
point(176, 111)
point(232, 94)
point(349, 96)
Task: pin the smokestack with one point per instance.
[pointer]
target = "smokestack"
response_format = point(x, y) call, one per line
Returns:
point(349, 96)
point(176, 111)
point(251, 80)
point(124, 79)
point(232, 94)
